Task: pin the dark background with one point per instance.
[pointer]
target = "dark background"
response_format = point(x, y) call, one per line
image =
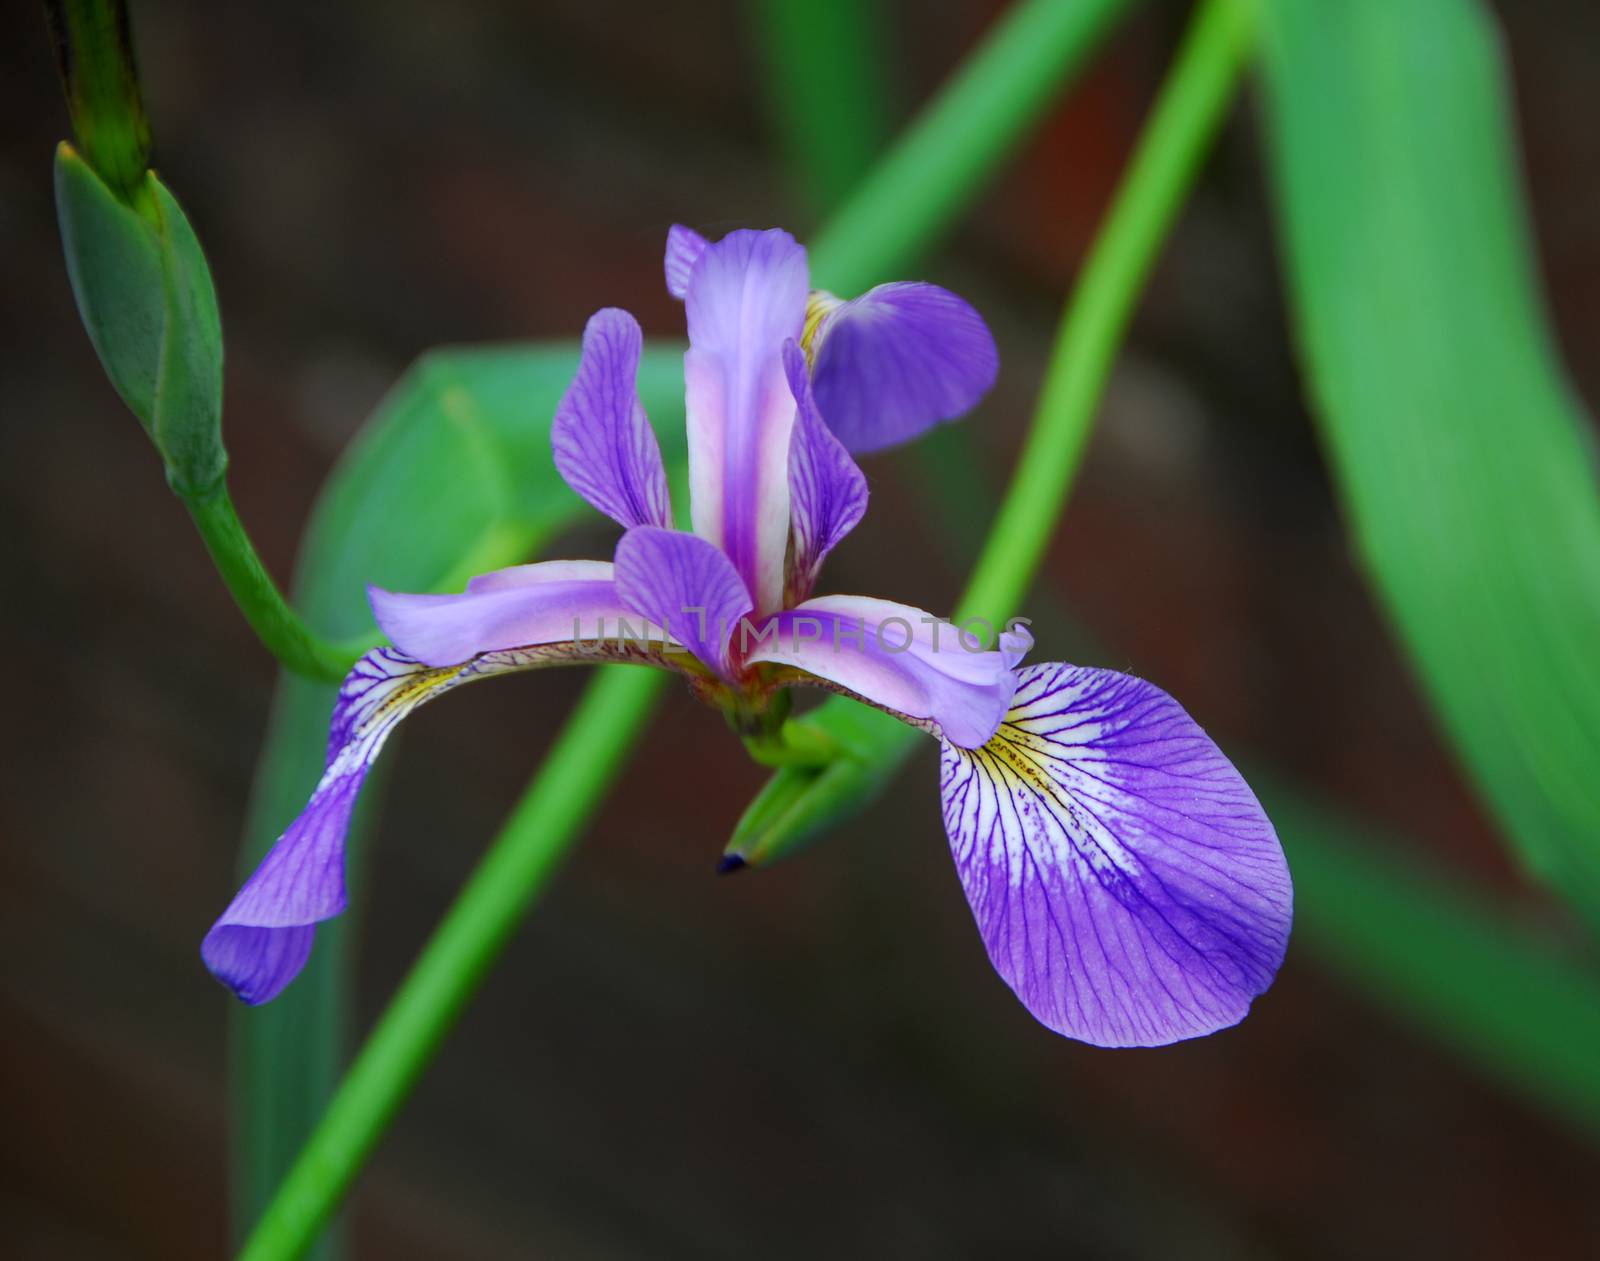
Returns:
point(811, 1061)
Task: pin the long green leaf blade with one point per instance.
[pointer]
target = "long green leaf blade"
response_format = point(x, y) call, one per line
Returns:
point(1461, 455)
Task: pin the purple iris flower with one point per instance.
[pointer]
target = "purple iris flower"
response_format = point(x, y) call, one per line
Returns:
point(1124, 878)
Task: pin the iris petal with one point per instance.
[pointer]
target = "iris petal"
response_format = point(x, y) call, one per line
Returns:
point(746, 296)
point(684, 247)
point(827, 492)
point(679, 581)
point(601, 438)
point(898, 360)
point(898, 658)
point(551, 602)
point(1126, 882)
point(260, 943)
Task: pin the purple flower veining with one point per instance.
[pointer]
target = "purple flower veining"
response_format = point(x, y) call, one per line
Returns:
point(1125, 881)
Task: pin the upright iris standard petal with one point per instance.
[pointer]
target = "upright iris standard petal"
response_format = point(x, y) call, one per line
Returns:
point(560, 602)
point(602, 440)
point(684, 247)
point(896, 361)
point(262, 940)
point(1125, 880)
point(746, 297)
point(827, 492)
point(898, 658)
point(681, 582)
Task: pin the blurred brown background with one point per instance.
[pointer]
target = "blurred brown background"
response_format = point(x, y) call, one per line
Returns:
point(812, 1061)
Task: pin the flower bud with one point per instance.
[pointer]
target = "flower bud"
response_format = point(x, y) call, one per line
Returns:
point(144, 293)
point(800, 804)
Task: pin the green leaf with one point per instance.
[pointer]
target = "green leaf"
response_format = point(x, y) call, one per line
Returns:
point(1442, 957)
point(1463, 461)
point(451, 476)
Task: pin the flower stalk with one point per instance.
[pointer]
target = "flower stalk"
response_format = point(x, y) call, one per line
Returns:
point(146, 297)
point(271, 617)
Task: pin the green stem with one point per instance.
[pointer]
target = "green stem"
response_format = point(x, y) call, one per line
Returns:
point(542, 828)
point(793, 744)
point(1187, 115)
point(959, 140)
point(275, 623)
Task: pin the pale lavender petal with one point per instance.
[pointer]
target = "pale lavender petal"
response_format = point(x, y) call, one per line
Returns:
point(746, 297)
point(684, 247)
point(1125, 880)
point(896, 657)
point(601, 438)
point(554, 602)
point(679, 581)
point(827, 492)
point(898, 360)
point(261, 941)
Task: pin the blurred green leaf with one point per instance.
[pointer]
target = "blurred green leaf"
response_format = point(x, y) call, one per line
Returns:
point(1441, 957)
point(145, 295)
point(1462, 458)
point(451, 476)
point(825, 82)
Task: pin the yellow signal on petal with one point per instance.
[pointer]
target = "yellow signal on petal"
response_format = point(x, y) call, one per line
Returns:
point(820, 304)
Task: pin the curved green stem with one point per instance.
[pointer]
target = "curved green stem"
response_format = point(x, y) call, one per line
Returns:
point(959, 140)
point(1193, 102)
point(275, 623)
point(541, 830)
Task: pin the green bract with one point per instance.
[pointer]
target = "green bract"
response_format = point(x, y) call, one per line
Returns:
point(145, 295)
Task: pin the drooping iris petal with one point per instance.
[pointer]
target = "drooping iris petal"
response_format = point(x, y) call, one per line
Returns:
point(679, 581)
point(746, 297)
point(262, 940)
point(898, 658)
point(896, 361)
point(684, 247)
point(552, 602)
point(1125, 880)
point(827, 492)
point(601, 438)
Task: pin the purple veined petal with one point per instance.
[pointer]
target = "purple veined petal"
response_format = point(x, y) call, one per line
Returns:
point(1125, 880)
point(896, 361)
point(549, 603)
point(684, 247)
point(827, 492)
point(260, 943)
point(746, 297)
point(601, 438)
point(262, 940)
point(896, 657)
point(681, 582)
